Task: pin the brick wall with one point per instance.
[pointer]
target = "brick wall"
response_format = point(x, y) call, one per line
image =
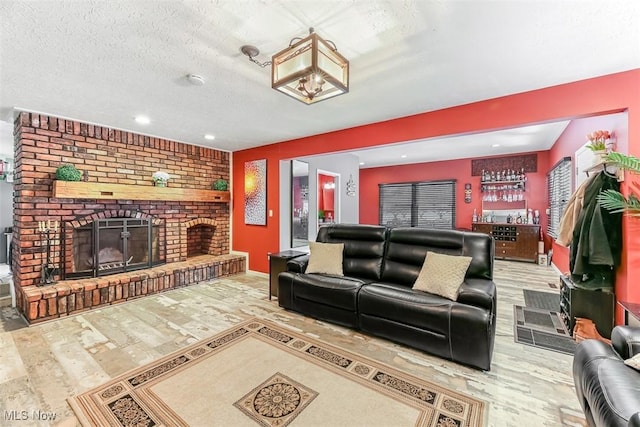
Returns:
point(107, 156)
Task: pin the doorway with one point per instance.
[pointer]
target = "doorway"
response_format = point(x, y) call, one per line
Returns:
point(328, 199)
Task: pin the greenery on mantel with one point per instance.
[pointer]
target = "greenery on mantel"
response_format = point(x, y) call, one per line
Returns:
point(68, 173)
point(613, 200)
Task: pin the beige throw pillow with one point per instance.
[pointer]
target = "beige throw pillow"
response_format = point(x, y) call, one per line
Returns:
point(634, 362)
point(442, 274)
point(325, 258)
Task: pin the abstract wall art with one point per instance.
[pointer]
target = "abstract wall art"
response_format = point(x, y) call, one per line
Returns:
point(255, 192)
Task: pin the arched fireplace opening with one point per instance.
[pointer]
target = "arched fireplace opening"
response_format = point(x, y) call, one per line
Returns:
point(200, 240)
point(201, 236)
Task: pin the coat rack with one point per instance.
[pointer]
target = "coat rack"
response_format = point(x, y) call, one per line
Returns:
point(609, 168)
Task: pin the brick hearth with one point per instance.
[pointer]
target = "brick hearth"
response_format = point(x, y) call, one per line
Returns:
point(110, 156)
point(73, 296)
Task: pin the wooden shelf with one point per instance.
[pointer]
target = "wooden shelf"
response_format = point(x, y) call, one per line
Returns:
point(609, 168)
point(97, 190)
point(502, 205)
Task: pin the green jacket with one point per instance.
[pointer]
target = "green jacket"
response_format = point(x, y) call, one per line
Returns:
point(597, 239)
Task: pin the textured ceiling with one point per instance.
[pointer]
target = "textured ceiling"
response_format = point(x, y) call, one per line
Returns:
point(108, 61)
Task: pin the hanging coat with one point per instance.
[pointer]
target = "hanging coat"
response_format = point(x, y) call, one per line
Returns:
point(597, 238)
point(571, 213)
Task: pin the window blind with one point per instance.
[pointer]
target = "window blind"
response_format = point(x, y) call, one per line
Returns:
point(428, 204)
point(559, 188)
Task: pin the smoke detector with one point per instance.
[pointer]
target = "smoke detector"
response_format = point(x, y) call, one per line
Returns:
point(195, 79)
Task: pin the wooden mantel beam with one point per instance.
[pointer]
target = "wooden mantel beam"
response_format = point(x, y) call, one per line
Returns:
point(100, 191)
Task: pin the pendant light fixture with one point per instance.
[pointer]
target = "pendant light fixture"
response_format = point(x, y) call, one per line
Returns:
point(310, 69)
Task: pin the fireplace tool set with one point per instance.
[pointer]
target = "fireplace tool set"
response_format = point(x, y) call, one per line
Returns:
point(47, 230)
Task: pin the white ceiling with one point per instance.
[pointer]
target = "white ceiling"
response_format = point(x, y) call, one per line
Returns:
point(107, 61)
point(502, 142)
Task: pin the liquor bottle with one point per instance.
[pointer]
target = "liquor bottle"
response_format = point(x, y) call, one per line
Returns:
point(474, 218)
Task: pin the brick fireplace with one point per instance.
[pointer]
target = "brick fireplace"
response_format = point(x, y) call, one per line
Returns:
point(188, 223)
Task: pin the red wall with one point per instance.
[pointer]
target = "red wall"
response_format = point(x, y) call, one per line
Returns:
point(611, 93)
point(572, 139)
point(459, 170)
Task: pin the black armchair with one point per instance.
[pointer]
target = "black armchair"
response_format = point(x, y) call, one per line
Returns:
point(609, 390)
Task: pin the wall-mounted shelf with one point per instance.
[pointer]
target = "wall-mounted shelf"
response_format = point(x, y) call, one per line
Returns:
point(502, 205)
point(609, 168)
point(518, 184)
point(97, 190)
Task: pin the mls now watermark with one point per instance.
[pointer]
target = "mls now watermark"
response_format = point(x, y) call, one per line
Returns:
point(35, 415)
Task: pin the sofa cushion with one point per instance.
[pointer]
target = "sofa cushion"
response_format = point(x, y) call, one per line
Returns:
point(325, 258)
point(442, 274)
point(634, 362)
point(406, 306)
point(331, 291)
point(364, 247)
point(407, 248)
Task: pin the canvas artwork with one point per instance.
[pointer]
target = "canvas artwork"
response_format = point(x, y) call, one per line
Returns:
point(255, 192)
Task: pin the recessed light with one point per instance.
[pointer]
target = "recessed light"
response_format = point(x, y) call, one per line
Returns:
point(361, 163)
point(209, 137)
point(495, 145)
point(195, 79)
point(404, 156)
point(143, 120)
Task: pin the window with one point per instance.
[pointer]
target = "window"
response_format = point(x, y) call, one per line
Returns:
point(429, 204)
point(559, 185)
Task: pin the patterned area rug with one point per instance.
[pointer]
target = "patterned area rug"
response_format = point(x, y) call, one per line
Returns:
point(260, 373)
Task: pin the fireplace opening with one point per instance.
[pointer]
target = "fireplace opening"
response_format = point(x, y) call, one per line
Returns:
point(200, 240)
point(113, 245)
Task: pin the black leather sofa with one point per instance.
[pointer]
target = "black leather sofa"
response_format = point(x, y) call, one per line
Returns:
point(375, 294)
point(609, 390)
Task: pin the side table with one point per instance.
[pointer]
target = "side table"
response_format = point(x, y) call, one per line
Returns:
point(594, 305)
point(631, 313)
point(278, 264)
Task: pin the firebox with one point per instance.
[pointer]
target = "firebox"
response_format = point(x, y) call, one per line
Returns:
point(111, 245)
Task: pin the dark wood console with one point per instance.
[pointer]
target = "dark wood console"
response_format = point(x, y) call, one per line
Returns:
point(513, 241)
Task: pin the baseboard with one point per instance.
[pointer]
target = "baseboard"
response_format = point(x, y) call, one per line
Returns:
point(555, 267)
point(5, 301)
point(258, 273)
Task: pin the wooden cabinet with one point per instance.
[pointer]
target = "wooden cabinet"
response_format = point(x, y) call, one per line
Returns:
point(597, 306)
point(512, 241)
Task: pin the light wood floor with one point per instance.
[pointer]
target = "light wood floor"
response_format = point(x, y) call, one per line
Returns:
point(40, 366)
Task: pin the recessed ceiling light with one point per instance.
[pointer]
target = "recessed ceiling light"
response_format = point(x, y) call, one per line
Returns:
point(404, 156)
point(361, 163)
point(195, 79)
point(143, 120)
point(495, 145)
point(209, 137)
